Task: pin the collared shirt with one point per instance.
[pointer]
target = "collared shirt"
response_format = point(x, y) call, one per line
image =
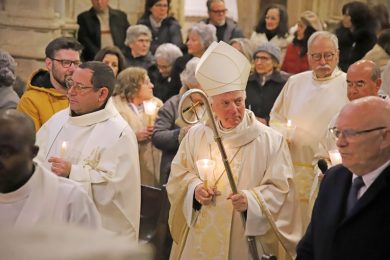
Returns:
point(369, 178)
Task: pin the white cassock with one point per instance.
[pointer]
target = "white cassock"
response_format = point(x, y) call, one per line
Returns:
point(103, 151)
point(48, 199)
point(262, 169)
point(310, 104)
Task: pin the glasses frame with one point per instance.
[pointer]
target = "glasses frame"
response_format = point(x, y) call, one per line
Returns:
point(348, 133)
point(328, 56)
point(223, 11)
point(64, 63)
point(76, 87)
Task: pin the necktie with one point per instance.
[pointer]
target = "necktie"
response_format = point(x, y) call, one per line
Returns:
point(353, 192)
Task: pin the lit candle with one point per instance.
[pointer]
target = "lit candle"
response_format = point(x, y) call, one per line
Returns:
point(205, 168)
point(335, 157)
point(290, 130)
point(63, 149)
point(150, 111)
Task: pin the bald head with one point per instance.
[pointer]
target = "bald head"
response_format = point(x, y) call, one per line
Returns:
point(363, 79)
point(18, 125)
point(364, 142)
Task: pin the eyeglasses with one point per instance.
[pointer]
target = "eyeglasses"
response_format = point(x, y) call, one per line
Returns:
point(76, 87)
point(261, 58)
point(328, 56)
point(348, 133)
point(358, 84)
point(161, 5)
point(67, 63)
point(223, 11)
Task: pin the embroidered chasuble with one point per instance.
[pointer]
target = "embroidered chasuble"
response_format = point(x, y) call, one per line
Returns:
point(262, 168)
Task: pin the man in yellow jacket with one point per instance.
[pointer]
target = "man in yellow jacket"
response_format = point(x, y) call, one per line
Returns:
point(46, 89)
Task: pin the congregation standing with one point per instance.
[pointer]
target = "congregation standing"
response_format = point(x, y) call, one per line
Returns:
point(77, 145)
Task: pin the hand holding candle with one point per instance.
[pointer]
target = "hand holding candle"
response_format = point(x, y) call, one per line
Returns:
point(205, 168)
point(150, 108)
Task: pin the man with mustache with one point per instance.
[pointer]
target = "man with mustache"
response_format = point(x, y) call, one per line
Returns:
point(310, 100)
point(46, 89)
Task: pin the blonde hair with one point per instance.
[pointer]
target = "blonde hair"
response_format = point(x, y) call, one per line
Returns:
point(129, 82)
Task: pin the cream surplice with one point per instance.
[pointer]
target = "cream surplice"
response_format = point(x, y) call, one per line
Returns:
point(261, 167)
point(103, 151)
point(310, 103)
point(48, 199)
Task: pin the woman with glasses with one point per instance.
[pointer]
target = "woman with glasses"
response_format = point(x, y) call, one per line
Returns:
point(132, 90)
point(265, 82)
point(273, 27)
point(113, 57)
point(164, 28)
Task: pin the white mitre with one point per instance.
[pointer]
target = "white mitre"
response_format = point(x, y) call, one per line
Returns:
point(221, 69)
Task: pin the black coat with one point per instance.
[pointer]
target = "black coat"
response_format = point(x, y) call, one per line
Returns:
point(169, 32)
point(363, 234)
point(228, 31)
point(262, 98)
point(89, 31)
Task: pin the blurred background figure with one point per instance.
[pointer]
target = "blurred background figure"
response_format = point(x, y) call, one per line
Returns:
point(245, 46)
point(99, 27)
point(265, 82)
point(380, 53)
point(132, 89)
point(382, 16)
point(295, 60)
point(169, 129)
point(200, 36)
point(8, 97)
point(166, 55)
point(273, 27)
point(164, 28)
point(113, 57)
point(227, 28)
point(356, 34)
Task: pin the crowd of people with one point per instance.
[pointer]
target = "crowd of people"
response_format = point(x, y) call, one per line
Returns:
point(103, 118)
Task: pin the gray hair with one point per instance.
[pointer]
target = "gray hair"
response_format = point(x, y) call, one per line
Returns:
point(324, 34)
point(188, 74)
point(247, 47)
point(209, 2)
point(135, 31)
point(168, 52)
point(7, 69)
point(375, 72)
point(207, 33)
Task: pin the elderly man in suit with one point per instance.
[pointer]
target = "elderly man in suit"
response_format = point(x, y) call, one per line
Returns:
point(351, 215)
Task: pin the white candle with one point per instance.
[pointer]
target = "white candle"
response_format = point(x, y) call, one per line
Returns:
point(335, 157)
point(63, 149)
point(150, 108)
point(290, 130)
point(205, 168)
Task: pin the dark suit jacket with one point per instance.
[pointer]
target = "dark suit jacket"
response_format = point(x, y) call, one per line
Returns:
point(363, 234)
point(89, 31)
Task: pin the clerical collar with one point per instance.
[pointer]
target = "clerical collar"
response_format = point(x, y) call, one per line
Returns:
point(336, 72)
point(95, 117)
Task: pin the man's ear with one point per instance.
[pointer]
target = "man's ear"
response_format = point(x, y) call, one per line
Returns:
point(34, 151)
point(103, 94)
point(48, 63)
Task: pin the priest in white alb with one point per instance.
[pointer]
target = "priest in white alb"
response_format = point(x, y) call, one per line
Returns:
point(31, 194)
point(90, 143)
point(309, 100)
point(204, 216)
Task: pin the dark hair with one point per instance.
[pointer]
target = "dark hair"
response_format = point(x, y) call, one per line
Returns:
point(23, 121)
point(102, 75)
point(382, 16)
point(114, 51)
point(62, 43)
point(303, 42)
point(282, 28)
point(209, 2)
point(149, 4)
point(361, 15)
point(384, 40)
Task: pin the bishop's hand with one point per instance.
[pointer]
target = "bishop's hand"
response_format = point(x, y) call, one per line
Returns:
point(202, 195)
